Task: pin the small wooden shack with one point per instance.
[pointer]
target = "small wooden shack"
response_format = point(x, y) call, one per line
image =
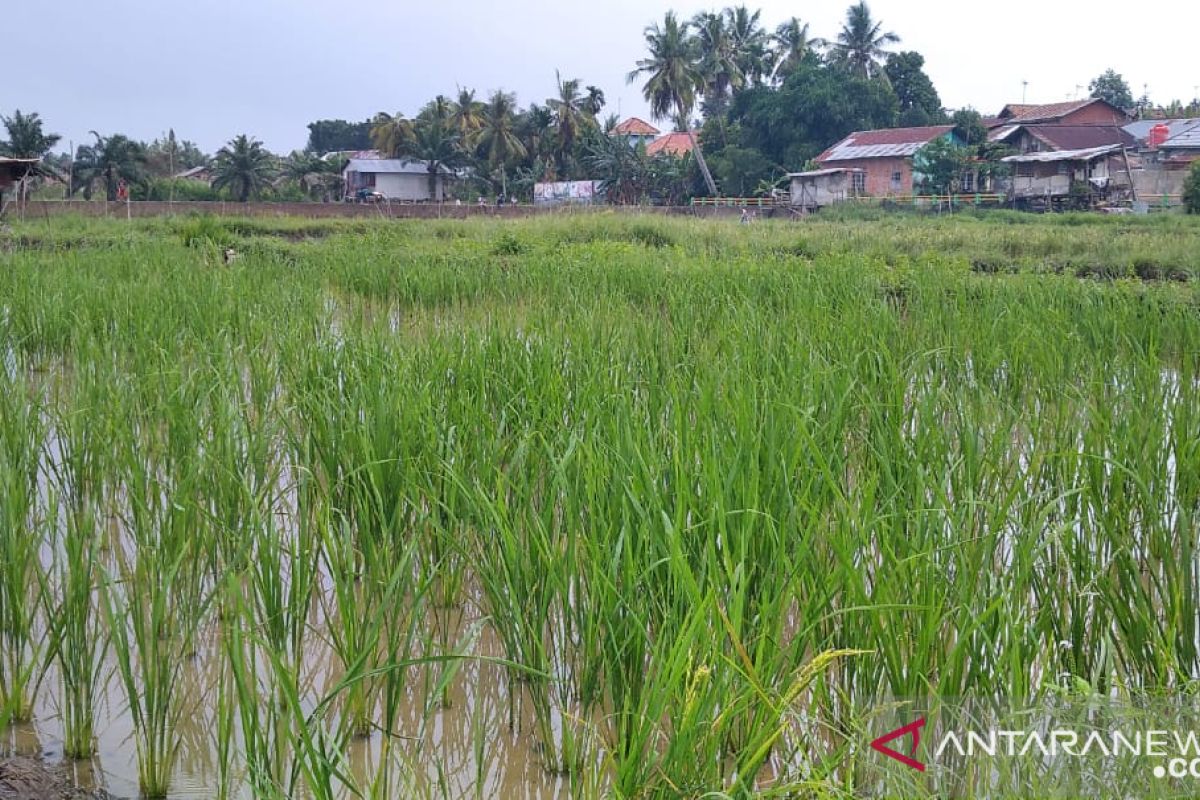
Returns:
point(13, 171)
point(1050, 176)
point(822, 187)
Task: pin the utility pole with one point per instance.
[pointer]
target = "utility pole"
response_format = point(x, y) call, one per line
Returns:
point(70, 191)
point(1024, 89)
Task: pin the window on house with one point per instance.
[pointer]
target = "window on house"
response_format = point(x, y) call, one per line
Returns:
point(858, 182)
point(897, 181)
point(967, 182)
point(370, 179)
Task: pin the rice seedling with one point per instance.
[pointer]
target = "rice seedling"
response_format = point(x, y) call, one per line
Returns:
point(705, 496)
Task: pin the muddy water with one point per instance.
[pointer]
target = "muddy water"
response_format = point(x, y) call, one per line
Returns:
point(464, 747)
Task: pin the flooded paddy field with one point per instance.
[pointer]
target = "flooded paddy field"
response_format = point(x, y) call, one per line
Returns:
point(584, 506)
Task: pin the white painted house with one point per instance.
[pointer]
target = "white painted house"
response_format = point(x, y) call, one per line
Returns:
point(394, 178)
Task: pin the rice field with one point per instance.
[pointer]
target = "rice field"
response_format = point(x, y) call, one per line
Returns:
point(584, 506)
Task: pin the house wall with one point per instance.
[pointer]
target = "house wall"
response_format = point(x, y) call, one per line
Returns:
point(406, 186)
point(878, 174)
point(820, 191)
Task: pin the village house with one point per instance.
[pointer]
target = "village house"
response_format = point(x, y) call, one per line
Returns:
point(635, 131)
point(1086, 175)
point(1091, 111)
point(400, 179)
point(1054, 137)
point(880, 162)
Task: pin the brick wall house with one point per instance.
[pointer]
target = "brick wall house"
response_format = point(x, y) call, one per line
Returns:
point(884, 158)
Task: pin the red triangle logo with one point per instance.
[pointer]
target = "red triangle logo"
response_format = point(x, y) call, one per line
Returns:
point(914, 728)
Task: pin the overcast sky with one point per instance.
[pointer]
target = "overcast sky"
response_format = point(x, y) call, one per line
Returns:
point(217, 68)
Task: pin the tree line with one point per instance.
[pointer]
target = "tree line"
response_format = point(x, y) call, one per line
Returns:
point(756, 101)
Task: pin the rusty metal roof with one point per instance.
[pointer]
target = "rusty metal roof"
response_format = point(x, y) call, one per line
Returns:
point(884, 143)
point(817, 173)
point(1017, 113)
point(1086, 154)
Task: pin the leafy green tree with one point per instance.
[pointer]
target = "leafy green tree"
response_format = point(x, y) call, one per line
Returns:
point(330, 135)
point(1191, 189)
point(817, 105)
point(968, 126)
point(918, 99)
point(1112, 88)
point(673, 77)
point(497, 138)
point(26, 136)
point(938, 166)
point(244, 167)
point(862, 42)
point(740, 169)
point(109, 161)
point(390, 134)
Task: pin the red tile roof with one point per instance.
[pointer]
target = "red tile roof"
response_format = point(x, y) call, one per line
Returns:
point(635, 127)
point(885, 143)
point(673, 144)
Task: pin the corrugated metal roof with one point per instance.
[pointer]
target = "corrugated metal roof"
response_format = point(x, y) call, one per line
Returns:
point(1080, 137)
point(1003, 133)
point(817, 173)
point(673, 144)
point(391, 165)
point(884, 143)
point(1086, 154)
point(1141, 128)
point(1188, 139)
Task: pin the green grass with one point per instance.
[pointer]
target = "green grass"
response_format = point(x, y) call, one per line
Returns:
point(716, 491)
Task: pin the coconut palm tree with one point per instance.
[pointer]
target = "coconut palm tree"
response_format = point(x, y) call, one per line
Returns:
point(497, 137)
point(791, 43)
point(750, 44)
point(389, 134)
point(569, 119)
point(466, 117)
point(312, 173)
point(593, 101)
point(672, 77)
point(243, 166)
point(862, 42)
point(534, 127)
point(719, 71)
point(26, 139)
point(110, 160)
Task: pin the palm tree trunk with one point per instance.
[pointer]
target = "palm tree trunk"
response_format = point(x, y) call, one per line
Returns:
point(708, 178)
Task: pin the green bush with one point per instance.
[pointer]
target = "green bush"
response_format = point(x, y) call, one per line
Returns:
point(1191, 190)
